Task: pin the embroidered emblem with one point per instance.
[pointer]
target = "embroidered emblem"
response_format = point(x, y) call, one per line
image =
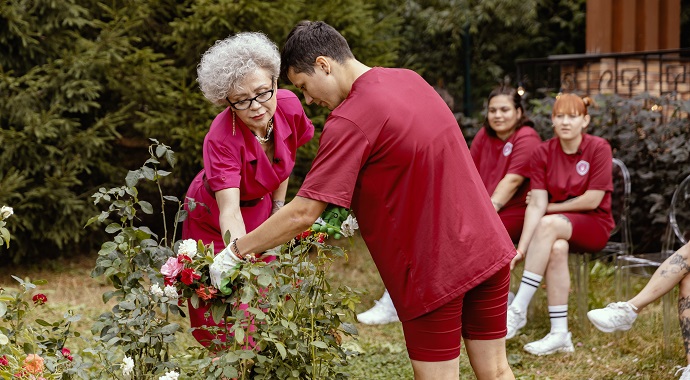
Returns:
point(582, 167)
point(507, 149)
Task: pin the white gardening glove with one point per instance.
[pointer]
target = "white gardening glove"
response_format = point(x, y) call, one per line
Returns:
point(223, 263)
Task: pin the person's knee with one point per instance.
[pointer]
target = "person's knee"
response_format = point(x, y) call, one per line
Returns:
point(559, 251)
point(548, 226)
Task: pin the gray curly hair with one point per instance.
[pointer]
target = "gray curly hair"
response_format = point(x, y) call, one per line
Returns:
point(224, 64)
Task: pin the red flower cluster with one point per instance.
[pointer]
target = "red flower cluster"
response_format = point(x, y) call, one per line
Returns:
point(39, 299)
point(188, 275)
point(320, 236)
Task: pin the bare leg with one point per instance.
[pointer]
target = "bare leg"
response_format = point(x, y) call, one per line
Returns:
point(558, 274)
point(488, 359)
point(670, 273)
point(446, 370)
point(550, 229)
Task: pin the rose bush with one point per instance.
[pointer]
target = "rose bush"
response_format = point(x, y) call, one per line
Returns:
point(298, 319)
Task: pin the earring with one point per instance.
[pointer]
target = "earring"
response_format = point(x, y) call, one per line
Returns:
point(233, 123)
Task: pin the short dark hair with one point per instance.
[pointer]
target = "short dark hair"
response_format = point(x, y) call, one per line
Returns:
point(309, 40)
point(511, 93)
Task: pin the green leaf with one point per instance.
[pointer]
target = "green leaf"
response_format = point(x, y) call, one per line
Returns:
point(146, 207)
point(218, 311)
point(160, 150)
point(112, 228)
point(281, 349)
point(133, 177)
point(264, 280)
point(319, 344)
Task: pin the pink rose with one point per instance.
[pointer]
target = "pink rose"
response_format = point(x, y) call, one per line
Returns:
point(172, 267)
point(33, 364)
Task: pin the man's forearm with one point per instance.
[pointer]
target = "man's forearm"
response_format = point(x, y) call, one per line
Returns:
point(294, 218)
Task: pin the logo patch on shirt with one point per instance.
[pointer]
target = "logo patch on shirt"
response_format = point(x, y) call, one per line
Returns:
point(507, 149)
point(582, 167)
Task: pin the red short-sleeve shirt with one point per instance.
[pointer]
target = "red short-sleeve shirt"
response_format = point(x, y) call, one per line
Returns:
point(394, 153)
point(565, 176)
point(495, 158)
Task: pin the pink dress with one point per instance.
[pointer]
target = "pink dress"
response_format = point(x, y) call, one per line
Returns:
point(238, 161)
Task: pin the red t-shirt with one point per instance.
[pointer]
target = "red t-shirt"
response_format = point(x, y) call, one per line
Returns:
point(565, 176)
point(394, 153)
point(495, 158)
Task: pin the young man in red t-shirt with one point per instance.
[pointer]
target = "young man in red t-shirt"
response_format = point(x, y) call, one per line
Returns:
point(392, 151)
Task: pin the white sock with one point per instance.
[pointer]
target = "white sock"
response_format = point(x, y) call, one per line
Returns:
point(559, 318)
point(528, 286)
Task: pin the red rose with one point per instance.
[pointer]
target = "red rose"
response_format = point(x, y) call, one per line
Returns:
point(4, 361)
point(39, 299)
point(170, 280)
point(206, 292)
point(188, 276)
point(183, 259)
point(67, 354)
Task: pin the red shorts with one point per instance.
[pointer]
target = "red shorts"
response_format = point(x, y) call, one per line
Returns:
point(479, 314)
point(590, 233)
point(513, 219)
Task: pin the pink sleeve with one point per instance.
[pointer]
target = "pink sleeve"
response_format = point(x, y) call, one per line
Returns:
point(222, 164)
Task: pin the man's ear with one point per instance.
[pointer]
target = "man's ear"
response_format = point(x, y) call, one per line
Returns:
point(323, 63)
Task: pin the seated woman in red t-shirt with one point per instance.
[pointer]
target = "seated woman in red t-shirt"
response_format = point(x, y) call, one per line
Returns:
point(569, 209)
point(501, 152)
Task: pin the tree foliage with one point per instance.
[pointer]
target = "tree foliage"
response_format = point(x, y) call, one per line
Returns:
point(85, 83)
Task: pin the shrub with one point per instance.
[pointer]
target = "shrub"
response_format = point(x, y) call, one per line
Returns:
point(298, 318)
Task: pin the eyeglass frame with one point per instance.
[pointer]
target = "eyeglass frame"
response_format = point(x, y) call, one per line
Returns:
point(254, 99)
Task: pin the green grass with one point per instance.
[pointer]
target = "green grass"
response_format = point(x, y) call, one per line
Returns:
point(635, 354)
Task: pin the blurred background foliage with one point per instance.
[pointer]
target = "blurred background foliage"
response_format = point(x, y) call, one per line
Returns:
point(85, 83)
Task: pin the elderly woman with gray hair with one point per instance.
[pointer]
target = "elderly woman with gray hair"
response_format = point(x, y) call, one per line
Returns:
point(249, 150)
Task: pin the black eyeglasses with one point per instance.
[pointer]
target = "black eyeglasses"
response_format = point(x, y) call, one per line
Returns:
point(246, 103)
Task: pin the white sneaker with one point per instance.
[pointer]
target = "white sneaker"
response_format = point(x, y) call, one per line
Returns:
point(383, 312)
point(553, 342)
point(686, 373)
point(517, 319)
point(617, 316)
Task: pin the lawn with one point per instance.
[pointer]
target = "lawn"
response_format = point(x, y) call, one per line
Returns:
point(636, 354)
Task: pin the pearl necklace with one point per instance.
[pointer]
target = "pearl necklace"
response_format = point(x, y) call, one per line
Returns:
point(269, 129)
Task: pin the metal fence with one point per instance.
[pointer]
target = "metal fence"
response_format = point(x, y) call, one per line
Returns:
point(658, 73)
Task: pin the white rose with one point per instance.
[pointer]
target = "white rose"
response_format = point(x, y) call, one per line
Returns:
point(172, 375)
point(156, 290)
point(128, 366)
point(349, 226)
point(187, 247)
point(6, 212)
point(3, 339)
point(171, 292)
